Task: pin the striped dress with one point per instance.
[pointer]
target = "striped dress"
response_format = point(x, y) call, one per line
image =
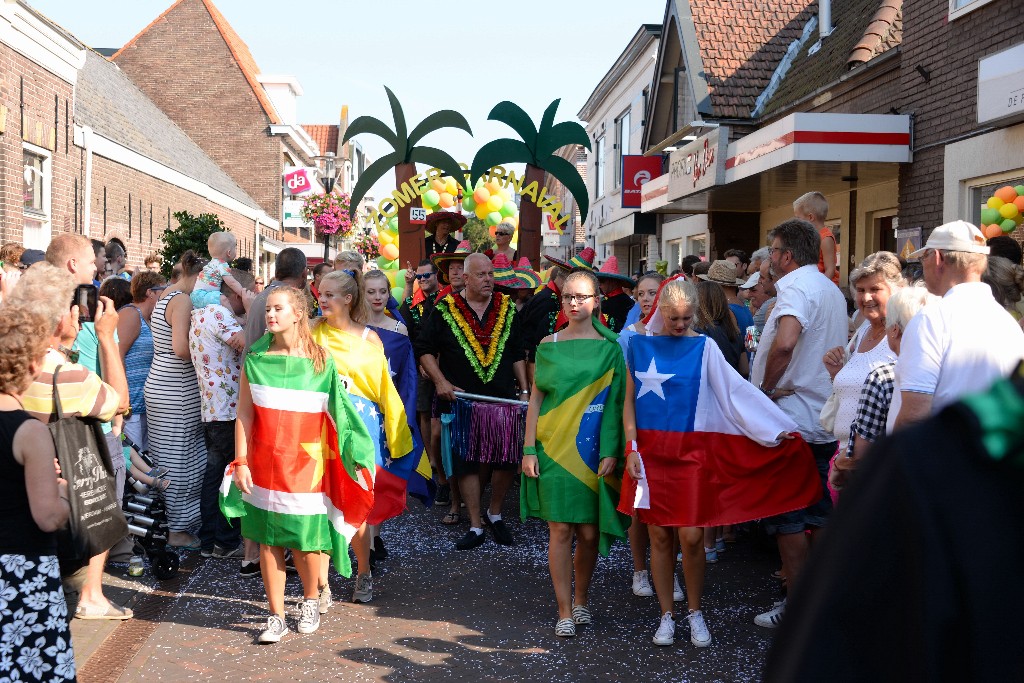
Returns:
point(175, 428)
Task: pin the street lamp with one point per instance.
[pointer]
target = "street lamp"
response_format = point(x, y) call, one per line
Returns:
point(328, 177)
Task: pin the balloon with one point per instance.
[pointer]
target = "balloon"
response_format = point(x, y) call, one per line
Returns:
point(989, 216)
point(390, 265)
point(431, 198)
point(1006, 193)
point(393, 224)
point(389, 251)
point(451, 187)
point(397, 277)
point(1008, 210)
point(493, 218)
point(495, 203)
point(492, 230)
point(380, 261)
point(481, 195)
point(493, 187)
point(385, 237)
point(1009, 225)
point(994, 202)
point(468, 203)
point(481, 211)
point(437, 185)
point(396, 292)
point(505, 194)
point(508, 209)
point(990, 231)
point(1019, 201)
point(1019, 190)
point(446, 200)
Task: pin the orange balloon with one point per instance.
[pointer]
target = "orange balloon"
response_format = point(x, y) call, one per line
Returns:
point(1006, 193)
point(437, 184)
point(990, 231)
point(481, 195)
point(494, 188)
point(389, 251)
point(447, 200)
point(493, 229)
point(1019, 201)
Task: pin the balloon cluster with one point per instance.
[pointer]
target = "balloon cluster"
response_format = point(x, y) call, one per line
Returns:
point(388, 259)
point(1003, 211)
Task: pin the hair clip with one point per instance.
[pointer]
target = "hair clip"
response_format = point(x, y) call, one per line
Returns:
point(351, 273)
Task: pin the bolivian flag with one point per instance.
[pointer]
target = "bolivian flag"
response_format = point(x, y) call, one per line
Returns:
point(310, 456)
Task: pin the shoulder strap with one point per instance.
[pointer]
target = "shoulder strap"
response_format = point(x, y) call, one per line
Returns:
point(56, 395)
point(366, 332)
point(555, 337)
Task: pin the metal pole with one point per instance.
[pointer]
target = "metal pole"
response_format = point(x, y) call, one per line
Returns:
point(492, 399)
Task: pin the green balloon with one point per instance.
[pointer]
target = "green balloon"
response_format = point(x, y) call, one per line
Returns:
point(493, 218)
point(393, 224)
point(380, 261)
point(990, 216)
point(508, 209)
point(396, 292)
point(1009, 225)
point(468, 203)
point(431, 198)
point(389, 265)
point(1020, 190)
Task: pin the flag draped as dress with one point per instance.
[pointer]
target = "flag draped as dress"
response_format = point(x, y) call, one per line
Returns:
point(580, 423)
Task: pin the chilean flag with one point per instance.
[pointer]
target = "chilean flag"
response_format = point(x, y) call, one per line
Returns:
point(709, 441)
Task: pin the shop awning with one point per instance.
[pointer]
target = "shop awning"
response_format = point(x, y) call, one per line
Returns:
point(634, 223)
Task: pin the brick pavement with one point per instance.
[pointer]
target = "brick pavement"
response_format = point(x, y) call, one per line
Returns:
point(484, 615)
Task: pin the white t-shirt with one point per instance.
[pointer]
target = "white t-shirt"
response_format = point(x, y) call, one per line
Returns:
point(958, 346)
point(818, 305)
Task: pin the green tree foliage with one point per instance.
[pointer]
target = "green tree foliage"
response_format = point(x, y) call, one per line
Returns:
point(479, 236)
point(192, 233)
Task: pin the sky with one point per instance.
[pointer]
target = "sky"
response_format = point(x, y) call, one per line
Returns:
point(530, 51)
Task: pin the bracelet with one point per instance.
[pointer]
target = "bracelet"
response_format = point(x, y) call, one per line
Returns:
point(524, 391)
point(238, 463)
point(529, 450)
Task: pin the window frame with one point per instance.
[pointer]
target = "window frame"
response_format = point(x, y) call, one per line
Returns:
point(43, 216)
point(957, 12)
point(599, 153)
point(621, 142)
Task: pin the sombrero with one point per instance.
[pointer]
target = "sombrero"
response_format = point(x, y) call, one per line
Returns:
point(443, 259)
point(722, 273)
point(584, 259)
point(526, 272)
point(457, 218)
point(610, 271)
point(514, 278)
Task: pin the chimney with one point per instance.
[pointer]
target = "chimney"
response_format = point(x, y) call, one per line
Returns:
point(824, 18)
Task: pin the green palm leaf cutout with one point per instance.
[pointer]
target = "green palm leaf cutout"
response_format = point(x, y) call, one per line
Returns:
point(369, 176)
point(548, 118)
point(560, 135)
point(368, 124)
point(446, 118)
point(500, 151)
point(513, 116)
point(566, 173)
point(401, 130)
point(438, 159)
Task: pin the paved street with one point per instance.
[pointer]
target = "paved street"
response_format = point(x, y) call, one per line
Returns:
point(485, 615)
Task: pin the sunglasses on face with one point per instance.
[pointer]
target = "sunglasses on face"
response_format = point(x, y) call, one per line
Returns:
point(424, 276)
point(503, 234)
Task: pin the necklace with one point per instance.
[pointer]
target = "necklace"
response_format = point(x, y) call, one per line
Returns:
point(69, 354)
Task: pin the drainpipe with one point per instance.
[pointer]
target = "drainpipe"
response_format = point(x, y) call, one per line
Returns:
point(256, 242)
point(87, 204)
point(824, 18)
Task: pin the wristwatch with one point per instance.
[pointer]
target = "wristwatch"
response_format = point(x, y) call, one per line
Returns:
point(768, 392)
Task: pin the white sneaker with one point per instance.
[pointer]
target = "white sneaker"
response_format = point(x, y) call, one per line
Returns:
point(666, 633)
point(326, 599)
point(275, 631)
point(699, 634)
point(773, 617)
point(642, 584)
point(677, 590)
point(309, 616)
point(363, 592)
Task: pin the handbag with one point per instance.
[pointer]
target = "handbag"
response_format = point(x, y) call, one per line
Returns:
point(96, 522)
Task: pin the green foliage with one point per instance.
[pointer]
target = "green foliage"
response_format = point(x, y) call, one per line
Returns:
point(192, 233)
point(479, 236)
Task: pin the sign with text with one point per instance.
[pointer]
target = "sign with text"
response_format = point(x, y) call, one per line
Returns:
point(418, 215)
point(292, 214)
point(1001, 85)
point(300, 181)
point(699, 165)
point(637, 170)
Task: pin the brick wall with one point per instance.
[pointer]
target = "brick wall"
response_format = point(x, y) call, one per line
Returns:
point(184, 65)
point(30, 100)
point(944, 104)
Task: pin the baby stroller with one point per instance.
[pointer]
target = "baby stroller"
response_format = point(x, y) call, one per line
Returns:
point(147, 520)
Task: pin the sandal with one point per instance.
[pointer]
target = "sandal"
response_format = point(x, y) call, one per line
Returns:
point(451, 518)
point(160, 484)
point(158, 472)
point(565, 628)
point(581, 615)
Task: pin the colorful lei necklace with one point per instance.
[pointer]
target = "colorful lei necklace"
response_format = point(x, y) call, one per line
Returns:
point(483, 345)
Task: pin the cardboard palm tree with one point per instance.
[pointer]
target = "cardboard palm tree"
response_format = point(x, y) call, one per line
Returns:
point(404, 159)
point(536, 149)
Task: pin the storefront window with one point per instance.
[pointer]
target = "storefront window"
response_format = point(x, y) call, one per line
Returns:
point(35, 183)
point(696, 245)
point(621, 145)
point(981, 194)
point(599, 168)
point(36, 198)
point(958, 8)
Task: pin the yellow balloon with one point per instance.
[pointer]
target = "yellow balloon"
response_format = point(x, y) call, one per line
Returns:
point(506, 196)
point(493, 187)
point(494, 203)
point(482, 211)
point(385, 237)
point(994, 202)
point(451, 187)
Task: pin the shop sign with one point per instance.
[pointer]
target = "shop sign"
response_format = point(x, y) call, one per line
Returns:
point(637, 170)
point(299, 181)
point(699, 165)
point(908, 240)
point(1001, 85)
point(291, 210)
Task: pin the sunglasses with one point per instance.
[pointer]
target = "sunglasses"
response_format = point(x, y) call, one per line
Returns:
point(504, 234)
point(424, 276)
point(159, 288)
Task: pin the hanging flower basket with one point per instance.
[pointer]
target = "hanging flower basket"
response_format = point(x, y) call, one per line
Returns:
point(328, 213)
point(368, 246)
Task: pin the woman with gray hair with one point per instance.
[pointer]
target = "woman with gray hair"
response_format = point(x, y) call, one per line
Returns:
point(871, 284)
point(876, 395)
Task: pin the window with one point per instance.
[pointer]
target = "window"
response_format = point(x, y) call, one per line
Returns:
point(675, 257)
point(958, 8)
point(599, 168)
point(696, 245)
point(980, 194)
point(36, 197)
point(621, 145)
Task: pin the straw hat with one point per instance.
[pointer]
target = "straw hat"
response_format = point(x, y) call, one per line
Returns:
point(584, 259)
point(443, 259)
point(723, 273)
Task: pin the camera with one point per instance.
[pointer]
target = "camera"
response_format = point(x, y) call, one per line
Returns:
point(87, 299)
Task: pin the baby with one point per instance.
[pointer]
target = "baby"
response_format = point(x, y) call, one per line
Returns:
point(222, 247)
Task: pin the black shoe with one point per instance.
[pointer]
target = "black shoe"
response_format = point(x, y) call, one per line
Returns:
point(444, 495)
point(250, 568)
point(379, 549)
point(501, 533)
point(470, 540)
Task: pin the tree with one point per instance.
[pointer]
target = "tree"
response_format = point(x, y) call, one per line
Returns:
point(536, 148)
point(479, 236)
point(404, 159)
point(192, 233)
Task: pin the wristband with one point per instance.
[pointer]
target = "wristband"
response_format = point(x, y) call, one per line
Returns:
point(529, 450)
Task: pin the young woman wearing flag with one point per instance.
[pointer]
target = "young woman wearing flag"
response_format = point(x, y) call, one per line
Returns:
point(705, 448)
point(303, 461)
point(358, 354)
point(573, 446)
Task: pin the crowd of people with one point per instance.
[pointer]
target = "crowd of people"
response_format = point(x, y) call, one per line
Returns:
point(664, 411)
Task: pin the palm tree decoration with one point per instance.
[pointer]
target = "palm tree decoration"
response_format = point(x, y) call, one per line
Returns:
point(404, 159)
point(536, 149)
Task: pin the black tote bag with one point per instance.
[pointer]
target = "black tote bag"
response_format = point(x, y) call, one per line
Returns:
point(96, 522)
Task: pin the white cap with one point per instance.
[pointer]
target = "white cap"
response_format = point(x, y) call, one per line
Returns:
point(751, 281)
point(955, 236)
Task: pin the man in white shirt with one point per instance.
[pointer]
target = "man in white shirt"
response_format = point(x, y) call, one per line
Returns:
point(808, 319)
point(965, 341)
